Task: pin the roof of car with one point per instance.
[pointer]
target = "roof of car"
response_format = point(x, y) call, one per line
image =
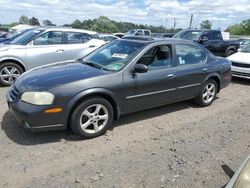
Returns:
point(67, 29)
point(148, 40)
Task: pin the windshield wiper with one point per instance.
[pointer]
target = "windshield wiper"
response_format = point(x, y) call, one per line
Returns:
point(93, 64)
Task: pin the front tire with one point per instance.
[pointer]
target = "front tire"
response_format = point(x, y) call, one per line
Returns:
point(92, 117)
point(9, 72)
point(207, 94)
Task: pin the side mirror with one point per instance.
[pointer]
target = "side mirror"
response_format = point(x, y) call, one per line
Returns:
point(239, 50)
point(140, 68)
point(203, 39)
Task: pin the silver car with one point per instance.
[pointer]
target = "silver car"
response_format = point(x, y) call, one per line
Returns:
point(43, 46)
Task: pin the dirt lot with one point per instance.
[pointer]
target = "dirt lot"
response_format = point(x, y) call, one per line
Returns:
point(179, 145)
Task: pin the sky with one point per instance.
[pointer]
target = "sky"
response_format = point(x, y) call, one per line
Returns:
point(221, 13)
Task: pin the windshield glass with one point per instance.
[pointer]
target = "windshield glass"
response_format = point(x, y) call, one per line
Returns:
point(131, 32)
point(24, 38)
point(246, 42)
point(247, 49)
point(115, 55)
point(189, 35)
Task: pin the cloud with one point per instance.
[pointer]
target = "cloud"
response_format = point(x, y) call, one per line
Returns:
point(154, 12)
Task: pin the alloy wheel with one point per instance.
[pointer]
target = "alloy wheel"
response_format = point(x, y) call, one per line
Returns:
point(209, 92)
point(9, 74)
point(94, 118)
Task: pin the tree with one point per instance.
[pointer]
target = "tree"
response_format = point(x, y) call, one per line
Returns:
point(13, 24)
point(206, 24)
point(24, 19)
point(34, 21)
point(47, 23)
point(240, 29)
point(76, 24)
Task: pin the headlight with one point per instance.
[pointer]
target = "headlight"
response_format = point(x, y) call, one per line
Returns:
point(38, 98)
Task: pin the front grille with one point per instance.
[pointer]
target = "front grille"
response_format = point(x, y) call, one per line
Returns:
point(241, 74)
point(241, 65)
point(13, 93)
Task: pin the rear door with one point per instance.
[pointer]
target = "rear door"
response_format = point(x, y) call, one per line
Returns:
point(79, 44)
point(192, 69)
point(47, 48)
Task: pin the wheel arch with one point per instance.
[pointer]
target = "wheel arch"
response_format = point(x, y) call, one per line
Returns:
point(230, 48)
point(13, 60)
point(80, 97)
point(215, 77)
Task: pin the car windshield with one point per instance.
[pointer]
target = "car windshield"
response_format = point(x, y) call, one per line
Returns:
point(115, 55)
point(24, 38)
point(246, 42)
point(246, 49)
point(189, 35)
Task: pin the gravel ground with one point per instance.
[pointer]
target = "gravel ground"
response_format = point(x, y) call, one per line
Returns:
point(179, 145)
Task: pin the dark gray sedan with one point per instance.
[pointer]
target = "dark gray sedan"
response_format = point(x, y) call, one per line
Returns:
point(121, 77)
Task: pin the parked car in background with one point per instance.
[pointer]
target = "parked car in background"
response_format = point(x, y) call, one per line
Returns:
point(120, 35)
point(12, 36)
point(241, 178)
point(138, 32)
point(163, 35)
point(108, 38)
point(212, 40)
point(124, 76)
point(244, 42)
point(3, 34)
point(241, 63)
point(43, 46)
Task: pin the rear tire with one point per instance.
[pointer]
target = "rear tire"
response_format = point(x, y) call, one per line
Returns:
point(230, 52)
point(92, 117)
point(207, 94)
point(9, 72)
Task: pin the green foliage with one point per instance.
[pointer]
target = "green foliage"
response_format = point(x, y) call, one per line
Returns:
point(34, 21)
point(24, 19)
point(206, 24)
point(48, 23)
point(240, 29)
point(105, 25)
point(13, 24)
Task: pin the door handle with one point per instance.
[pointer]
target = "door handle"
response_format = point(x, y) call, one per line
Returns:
point(170, 76)
point(204, 70)
point(59, 50)
point(91, 46)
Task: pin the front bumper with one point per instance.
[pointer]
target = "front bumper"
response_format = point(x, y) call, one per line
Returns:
point(32, 117)
point(241, 72)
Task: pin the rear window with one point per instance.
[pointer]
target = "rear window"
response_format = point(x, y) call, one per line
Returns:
point(146, 33)
point(77, 38)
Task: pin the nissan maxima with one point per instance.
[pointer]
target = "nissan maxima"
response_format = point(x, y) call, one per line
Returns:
point(124, 76)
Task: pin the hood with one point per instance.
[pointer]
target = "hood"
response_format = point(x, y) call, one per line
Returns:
point(240, 57)
point(50, 77)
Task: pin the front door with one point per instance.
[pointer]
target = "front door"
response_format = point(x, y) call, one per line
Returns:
point(46, 49)
point(155, 87)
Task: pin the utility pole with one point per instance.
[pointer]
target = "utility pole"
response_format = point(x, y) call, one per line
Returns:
point(166, 23)
point(174, 24)
point(191, 21)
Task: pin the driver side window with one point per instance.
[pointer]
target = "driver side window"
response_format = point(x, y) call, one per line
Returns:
point(159, 57)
